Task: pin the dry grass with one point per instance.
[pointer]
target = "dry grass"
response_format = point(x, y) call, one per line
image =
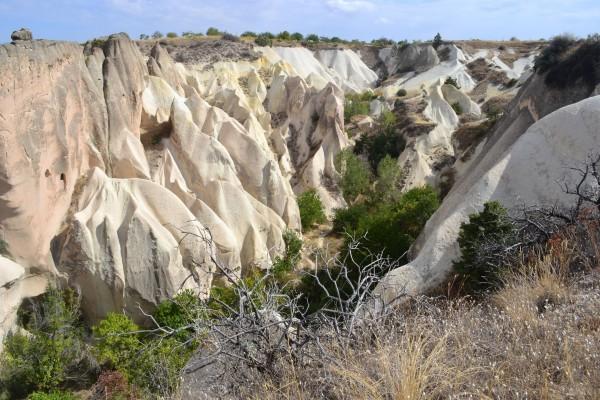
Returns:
point(536, 338)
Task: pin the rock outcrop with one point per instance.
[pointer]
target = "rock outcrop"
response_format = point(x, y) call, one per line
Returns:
point(22, 34)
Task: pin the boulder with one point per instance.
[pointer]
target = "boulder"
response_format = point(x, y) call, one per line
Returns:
point(21, 34)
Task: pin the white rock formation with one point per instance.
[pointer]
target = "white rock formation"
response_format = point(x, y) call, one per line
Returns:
point(526, 170)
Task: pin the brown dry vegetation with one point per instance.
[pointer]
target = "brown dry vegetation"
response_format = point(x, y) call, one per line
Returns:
point(536, 338)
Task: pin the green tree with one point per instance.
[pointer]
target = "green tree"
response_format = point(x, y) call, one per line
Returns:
point(389, 179)
point(297, 36)
point(356, 177)
point(437, 41)
point(263, 41)
point(212, 31)
point(171, 35)
point(286, 264)
point(157, 35)
point(118, 342)
point(312, 38)
point(311, 209)
point(285, 35)
point(491, 225)
point(179, 313)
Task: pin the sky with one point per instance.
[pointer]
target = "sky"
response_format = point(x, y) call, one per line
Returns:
point(81, 20)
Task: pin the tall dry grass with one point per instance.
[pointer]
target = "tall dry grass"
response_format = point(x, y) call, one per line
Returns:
point(538, 337)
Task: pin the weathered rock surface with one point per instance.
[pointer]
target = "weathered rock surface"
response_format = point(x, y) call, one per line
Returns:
point(22, 34)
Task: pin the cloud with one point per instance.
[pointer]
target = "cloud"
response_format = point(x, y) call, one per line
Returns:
point(351, 5)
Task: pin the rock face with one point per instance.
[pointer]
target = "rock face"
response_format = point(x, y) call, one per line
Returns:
point(22, 34)
point(129, 177)
point(521, 164)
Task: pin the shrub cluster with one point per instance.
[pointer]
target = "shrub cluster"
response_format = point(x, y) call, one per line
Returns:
point(311, 209)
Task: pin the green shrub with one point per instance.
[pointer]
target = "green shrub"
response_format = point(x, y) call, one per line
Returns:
point(355, 175)
point(383, 143)
point(437, 41)
point(311, 209)
point(357, 105)
point(179, 312)
point(346, 220)
point(580, 65)
point(312, 38)
point(286, 264)
point(190, 34)
point(387, 121)
point(143, 36)
point(451, 81)
point(263, 41)
point(285, 35)
point(172, 35)
point(297, 36)
point(52, 396)
point(249, 34)
point(490, 225)
point(457, 108)
point(389, 179)
point(401, 93)
point(212, 31)
point(51, 354)
point(118, 342)
point(230, 37)
point(552, 54)
point(157, 35)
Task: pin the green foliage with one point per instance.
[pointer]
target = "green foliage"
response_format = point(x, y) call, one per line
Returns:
point(552, 54)
point(268, 35)
point(286, 264)
point(383, 143)
point(382, 42)
point(180, 312)
point(157, 35)
point(190, 34)
point(401, 93)
point(297, 36)
point(52, 352)
point(312, 38)
point(490, 225)
point(457, 108)
point(451, 81)
point(285, 35)
point(143, 36)
point(437, 41)
point(387, 121)
point(52, 396)
point(311, 209)
point(230, 37)
point(346, 220)
point(212, 31)
point(389, 178)
point(356, 176)
point(172, 35)
point(263, 40)
point(249, 34)
point(579, 65)
point(357, 104)
point(118, 342)
point(224, 299)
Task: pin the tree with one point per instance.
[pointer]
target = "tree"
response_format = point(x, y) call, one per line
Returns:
point(437, 41)
point(297, 36)
point(143, 36)
point(249, 34)
point(356, 176)
point(312, 38)
point(263, 40)
point(157, 35)
point(171, 35)
point(212, 31)
point(311, 209)
point(491, 225)
point(389, 178)
point(285, 35)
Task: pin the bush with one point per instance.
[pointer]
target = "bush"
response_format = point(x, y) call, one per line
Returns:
point(143, 36)
point(311, 209)
point(389, 179)
point(581, 65)
point(490, 225)
point(52, 396)
point(286, 264)
point(230, 37)
point(285, 35)
point(249, 34)
point(552, 54)
point(297, 36)
point(51, 354)
point(457, 108)
point(376, 147)
point(179, 312)
point(312, 38)
point(437, 41)
point(157, 35)
point(451, 81)
point(358, 104)
point(212, 31)
point(171, 35)
point(118, 342)
point(387, 121)
point(346, 220)
point(355, 173)
point(263, 41)
point(401, 93)
point(190, 34)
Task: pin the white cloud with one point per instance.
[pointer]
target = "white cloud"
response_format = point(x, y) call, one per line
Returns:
point(350, 5)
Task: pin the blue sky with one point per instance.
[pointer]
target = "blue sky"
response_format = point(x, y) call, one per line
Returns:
point(362, 19)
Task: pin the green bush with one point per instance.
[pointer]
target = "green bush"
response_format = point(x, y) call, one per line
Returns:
point(51, 354)
point(311, 209)
point(263, 40)
point(552, 54)
point(285, 35)
point(157, 35)
point(52, 396)
point(172, 35)
point(580, 65)
point(357, 105)
point(383, 143)
point(249, 34)
point(180, 312)
point(297, 36)
point(389, 180)
point(118, 342)
point(490, 225)
point(286, 264)
point(212, 31)
point(387, 121)
point(437, 41)
point(312, 38)
point(401, 93)
point(457, 108)
point(355, 175)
